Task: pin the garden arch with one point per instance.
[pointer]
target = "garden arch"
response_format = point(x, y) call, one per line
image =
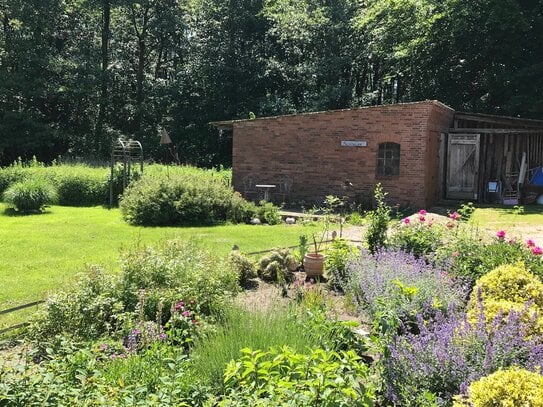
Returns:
point(127, 153)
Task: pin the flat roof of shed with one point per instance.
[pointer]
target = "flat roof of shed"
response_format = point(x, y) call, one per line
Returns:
point(228, 124)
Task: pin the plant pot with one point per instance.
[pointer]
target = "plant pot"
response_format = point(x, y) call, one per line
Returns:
point(314, 264)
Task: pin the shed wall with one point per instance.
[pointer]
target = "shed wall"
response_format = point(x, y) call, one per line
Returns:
point(308, 149)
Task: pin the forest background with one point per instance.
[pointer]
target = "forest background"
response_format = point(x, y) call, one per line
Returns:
point(77, 74)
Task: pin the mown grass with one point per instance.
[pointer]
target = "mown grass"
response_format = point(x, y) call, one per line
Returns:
point(41, 253)
point(508, 217)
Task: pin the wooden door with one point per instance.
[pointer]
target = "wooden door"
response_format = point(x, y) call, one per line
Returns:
point(462, 166)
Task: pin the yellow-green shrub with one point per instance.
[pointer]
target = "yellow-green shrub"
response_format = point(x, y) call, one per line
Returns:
point(508, 288)
point(513, 387)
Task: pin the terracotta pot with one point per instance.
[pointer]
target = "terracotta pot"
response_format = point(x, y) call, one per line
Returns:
point(314, 264)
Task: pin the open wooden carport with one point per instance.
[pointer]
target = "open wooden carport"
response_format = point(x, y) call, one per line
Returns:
point(491, 158)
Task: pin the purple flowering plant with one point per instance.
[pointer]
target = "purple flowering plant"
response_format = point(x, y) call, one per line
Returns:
point(143, 335)
point(397, 285)
point(444, 357)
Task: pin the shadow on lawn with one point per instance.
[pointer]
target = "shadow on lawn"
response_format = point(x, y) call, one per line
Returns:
point(513, 210)
point(14, 212)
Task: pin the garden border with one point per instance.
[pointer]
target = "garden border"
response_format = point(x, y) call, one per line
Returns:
point(36, 303)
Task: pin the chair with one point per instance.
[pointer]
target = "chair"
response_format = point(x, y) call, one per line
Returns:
point(249, 189)
point(284, 186)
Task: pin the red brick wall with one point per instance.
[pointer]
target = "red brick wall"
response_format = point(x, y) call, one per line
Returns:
point(307, 148)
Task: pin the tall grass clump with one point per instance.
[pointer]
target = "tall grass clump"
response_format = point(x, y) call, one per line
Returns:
point(243, 328)
point(84, 185)
point(30, 195)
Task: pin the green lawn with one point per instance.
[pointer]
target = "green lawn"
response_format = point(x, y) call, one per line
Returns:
point(40, 253)
point(504, 217)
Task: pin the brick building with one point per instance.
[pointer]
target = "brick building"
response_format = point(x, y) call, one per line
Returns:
point(420, 152)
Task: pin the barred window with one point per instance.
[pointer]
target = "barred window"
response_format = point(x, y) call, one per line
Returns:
point(388, 159)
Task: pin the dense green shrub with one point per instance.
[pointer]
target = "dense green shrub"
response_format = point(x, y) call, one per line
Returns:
point(80, 190)
point(87, 310)
point(280, 376)
point(508, 288)
point(467, 255)
point(30, 195)
point(181, 200)
point(512, 387)
point(151, 281)
point(417, 236)
point(193, 273)
point(268, 213)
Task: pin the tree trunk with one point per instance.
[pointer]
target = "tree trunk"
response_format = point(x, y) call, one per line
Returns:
point(102, 144)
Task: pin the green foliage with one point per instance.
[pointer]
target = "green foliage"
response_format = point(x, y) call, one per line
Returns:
point(470, 257)
point(244, 266)
point(511, 387)
point(193, 273)
point(258, 329)
point(30, 195)
point(355, 219)
point(302, 248)
point(418, 237)
point(65, 94)
point(465, 211)
point(268, 213)
point(280, 376)
point(277, 266)
point(152, 280)
point(329, 333)
point(92, 374)
point(335, 263)
point(378, 220)
point(180, 200)
point(88, 310)
point(82, 185)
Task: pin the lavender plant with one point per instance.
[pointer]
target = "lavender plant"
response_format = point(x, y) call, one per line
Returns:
point(444, 357)
point(395, 282)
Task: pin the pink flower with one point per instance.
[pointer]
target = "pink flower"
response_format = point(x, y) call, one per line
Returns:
point(454, 216)
point(186, 314)
point(407, 221)
point(422, 218)
point(500, 234)
point(530, 243)
point(538, 251)
point(422, 212)
point(179, 305)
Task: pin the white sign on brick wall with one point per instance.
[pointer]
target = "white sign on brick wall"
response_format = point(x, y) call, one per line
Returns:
point(354, 143)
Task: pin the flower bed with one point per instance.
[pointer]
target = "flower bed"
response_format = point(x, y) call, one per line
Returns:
point(451, 318)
